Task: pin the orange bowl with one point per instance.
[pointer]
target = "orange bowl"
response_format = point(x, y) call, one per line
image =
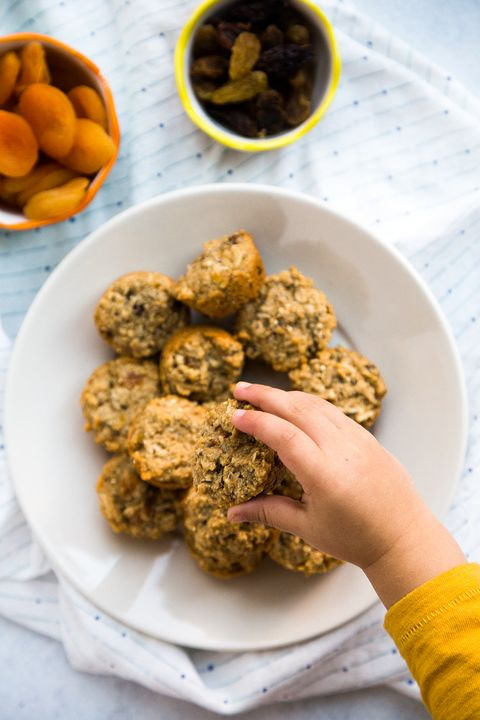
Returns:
point(68, 68)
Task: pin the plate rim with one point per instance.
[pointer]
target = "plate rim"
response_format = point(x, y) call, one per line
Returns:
point(92, 238)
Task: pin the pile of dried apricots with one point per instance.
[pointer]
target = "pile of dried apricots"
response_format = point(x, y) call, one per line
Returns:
point(51, 142)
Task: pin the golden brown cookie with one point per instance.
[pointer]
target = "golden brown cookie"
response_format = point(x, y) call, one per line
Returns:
point(161, 441)
point(230, 466)
point(137, 314)
point(284, 482)
point(113, 394)
point(289, 321)
point(227, 274)
point(222, 548)
point(293, 553)
point(134, 507)
point(201, 363)
point(345, 378)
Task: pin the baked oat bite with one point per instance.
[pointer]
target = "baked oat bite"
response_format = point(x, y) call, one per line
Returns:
point(134, 507)
point(161, 441)
point(138, 313)
point(293, 553)
point(113, 394)
point(230, 467)
point(201, 363)
point(228, 273)
point(284, 482)
point(222, 548)
point(289, 321)
point(345, 378)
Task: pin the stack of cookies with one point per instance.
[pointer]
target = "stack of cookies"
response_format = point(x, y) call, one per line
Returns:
point(163, 407)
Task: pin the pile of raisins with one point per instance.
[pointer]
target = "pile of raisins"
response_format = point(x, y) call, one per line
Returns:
point(253, 68)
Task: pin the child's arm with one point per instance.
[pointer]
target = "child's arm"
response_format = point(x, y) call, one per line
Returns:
point(360, 505)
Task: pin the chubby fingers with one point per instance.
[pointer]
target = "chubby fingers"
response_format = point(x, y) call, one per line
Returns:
point(295, 449)
point(310, 413)
point(273, 510)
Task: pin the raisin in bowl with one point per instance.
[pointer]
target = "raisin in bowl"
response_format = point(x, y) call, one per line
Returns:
point(257, 75)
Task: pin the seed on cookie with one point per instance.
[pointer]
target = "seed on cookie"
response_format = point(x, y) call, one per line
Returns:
point(230, 467)
point(222, 548)
point(345, 378)
point(138, 312)
point(293, 553)
point(134, 507)
point(113, 394)
point(289, 321)
point(228, 273)
point(201, 363)
point(161, 441)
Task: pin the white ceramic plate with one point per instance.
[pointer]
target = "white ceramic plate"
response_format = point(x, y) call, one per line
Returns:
point(385, 311)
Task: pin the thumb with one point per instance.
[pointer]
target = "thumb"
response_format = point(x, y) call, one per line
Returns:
point(274, 510)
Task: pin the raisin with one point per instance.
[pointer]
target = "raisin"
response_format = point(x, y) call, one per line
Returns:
point(302, 81)
point(298, 108)
point(269, 111)
point(271, 36)
point(228, 32)
point(138, 309)
point(205, 41)
point(297, 34)
point(239, 90)
point(213, 67)
point(236, 120)
point(256, 11)
point(204, 89)
point(283, 61)
point(245, 53)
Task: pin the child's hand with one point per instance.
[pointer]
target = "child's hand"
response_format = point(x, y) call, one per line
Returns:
point(359, 502)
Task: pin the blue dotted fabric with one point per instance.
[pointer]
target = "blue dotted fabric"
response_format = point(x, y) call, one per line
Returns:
point(399, 151)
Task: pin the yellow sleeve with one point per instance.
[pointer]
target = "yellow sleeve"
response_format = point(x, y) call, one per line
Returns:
point(437, 630)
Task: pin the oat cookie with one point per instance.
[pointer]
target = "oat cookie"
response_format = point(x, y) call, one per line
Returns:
point(230, 466)
point(227, 274)
point(284, 482)
point(138, 313)
point(293, 553)
point(161, 441)
point(113, 394)
point(201, 363)
point(289, 321)
point(222, 548)
point(134, 507)
point(345, 378)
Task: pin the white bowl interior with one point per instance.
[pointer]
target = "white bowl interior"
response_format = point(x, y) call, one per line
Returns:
point(323, 75)
point(383, 309)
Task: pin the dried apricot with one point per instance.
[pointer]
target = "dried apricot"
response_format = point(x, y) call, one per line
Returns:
point(205, 41)
point(12, 186)
point(9, 69)
point(210, 67)
point(59, 201)
point(245, 53)
point(51, 116)
point(87, 103)
point(48, 177)
point(18, 146)
point(239, 90)
point(34, 68)
point(92, 148)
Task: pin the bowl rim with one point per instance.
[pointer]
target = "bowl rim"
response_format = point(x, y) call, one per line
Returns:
point(231, 139)
point(114, 133)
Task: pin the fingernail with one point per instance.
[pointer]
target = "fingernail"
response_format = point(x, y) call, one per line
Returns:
point(242, 385)
point(238, 414)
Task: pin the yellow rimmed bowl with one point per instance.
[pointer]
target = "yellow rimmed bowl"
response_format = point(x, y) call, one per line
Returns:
point(327, 76)
point(68, 67)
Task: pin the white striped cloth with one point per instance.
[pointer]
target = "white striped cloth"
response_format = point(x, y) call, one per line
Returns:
point(399, 151)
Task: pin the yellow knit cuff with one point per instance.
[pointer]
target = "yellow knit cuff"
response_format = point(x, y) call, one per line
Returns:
point(429, 601)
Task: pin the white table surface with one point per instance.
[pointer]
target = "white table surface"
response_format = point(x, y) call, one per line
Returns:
point(36, 681)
